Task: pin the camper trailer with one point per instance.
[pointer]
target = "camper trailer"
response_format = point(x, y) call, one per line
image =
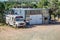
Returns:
point(15, 20)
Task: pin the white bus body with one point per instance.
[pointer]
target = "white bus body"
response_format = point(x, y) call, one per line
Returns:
point(33, 15)
point(15, 20)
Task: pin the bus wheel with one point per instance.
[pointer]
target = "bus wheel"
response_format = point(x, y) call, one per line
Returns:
point(8, 24)
point(16, 26)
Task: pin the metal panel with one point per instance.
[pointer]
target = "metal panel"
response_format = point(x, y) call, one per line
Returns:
point(35, 19)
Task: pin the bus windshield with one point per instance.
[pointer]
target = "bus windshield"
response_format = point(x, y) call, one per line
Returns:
point(18, 19)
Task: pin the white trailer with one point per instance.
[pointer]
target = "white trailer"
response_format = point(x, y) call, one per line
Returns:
point(15, 20)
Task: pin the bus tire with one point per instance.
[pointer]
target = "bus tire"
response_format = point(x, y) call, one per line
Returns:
point(8, 24)
point(16, 26)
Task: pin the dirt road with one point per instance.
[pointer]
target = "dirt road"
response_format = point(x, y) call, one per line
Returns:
point(39, 32)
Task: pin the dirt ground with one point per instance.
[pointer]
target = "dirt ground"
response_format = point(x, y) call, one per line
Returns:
point(39, 32)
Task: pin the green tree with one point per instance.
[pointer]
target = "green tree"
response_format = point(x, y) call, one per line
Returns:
point(43, 4)
point(54, 7)
point(9, 5)
point(2, 8)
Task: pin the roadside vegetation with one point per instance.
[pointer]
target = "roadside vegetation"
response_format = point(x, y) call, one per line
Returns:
point(53, 6)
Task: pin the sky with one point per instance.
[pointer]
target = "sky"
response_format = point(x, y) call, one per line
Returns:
point(3, 0)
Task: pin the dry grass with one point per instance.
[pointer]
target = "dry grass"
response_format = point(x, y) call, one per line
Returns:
point(41, 32)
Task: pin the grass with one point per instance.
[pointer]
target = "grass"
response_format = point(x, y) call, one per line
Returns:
point(2, 24)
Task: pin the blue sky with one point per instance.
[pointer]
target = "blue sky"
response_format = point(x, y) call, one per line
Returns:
point(3, 0)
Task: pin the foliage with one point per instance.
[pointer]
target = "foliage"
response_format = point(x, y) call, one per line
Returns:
point(43, 4)
point(2, 8)
point(54, 6)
